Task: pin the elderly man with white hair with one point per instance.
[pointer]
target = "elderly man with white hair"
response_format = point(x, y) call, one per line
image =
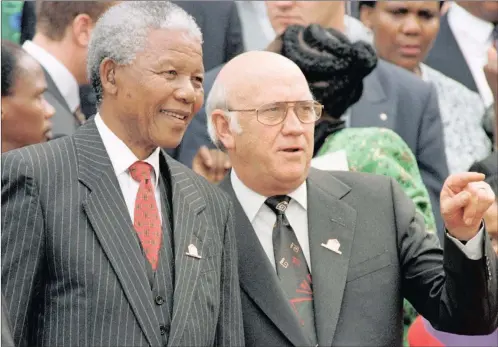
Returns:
point(105, 239)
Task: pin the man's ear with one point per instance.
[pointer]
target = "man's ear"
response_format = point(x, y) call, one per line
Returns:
point(222, 128)
point(82, 27)
point(366, 13)
point(107, 71)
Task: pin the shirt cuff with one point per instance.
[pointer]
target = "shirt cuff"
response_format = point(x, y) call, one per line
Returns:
point(473, 248)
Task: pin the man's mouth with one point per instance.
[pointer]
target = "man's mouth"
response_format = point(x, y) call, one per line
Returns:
point(292, 149)
point(181, 115)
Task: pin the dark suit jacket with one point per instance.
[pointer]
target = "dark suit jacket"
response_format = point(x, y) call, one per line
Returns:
point(220, 25)
point(73, 272)
point(412, 112)
point(489, 167)
point(447, 57)
point(63, 121)
point(386, 255)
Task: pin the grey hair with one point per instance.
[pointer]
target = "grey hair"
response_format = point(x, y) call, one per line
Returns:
point(122, 31)
point(218, 100)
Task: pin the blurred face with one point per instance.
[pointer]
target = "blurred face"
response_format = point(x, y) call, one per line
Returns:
point(160, 91)
point(277, 156)
point(25, 113)
point(285, 13)
point(404, 31)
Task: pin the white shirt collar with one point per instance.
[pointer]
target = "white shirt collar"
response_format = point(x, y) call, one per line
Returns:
point(252, 202)
point(63, 79)
point(469, 25)
point(121, 156)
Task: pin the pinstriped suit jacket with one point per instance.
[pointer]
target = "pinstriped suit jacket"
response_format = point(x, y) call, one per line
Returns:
point(73, 271)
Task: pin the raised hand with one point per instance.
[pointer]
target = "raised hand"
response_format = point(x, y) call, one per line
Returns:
point(465, 198)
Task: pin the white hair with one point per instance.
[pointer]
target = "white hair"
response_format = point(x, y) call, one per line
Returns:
point(123, 29)
point(218, 99)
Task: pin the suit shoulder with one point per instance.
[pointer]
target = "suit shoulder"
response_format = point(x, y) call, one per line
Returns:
point(357, 181)
point(360, 179)
point(401, 76)
point(206, 189)
point(52, 156)
point(410, 91)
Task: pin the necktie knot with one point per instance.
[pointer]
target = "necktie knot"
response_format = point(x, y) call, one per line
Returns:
point(278, 203)
point(140, 171)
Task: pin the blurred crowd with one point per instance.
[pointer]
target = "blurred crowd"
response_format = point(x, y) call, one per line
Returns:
point(409, 90)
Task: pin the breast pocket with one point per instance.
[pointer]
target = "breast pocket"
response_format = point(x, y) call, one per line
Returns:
point(212, 256)
point(369, 266)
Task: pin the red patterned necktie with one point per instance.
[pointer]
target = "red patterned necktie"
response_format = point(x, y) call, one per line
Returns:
point(146, 216)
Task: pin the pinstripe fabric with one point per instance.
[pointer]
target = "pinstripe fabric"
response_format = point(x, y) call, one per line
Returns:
point(73, 271)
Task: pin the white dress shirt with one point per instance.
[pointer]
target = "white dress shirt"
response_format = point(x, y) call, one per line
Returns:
point(63, 79)
point(474, 37)
point(122, 158)
point(263, 218)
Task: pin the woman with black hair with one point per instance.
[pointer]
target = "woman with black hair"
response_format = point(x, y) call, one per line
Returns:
point(25, 112)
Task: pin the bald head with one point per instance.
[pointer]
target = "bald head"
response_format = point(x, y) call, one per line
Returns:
point(254, 72)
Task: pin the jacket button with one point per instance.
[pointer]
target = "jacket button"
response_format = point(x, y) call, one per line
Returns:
point(163, 329)
point(159, 300)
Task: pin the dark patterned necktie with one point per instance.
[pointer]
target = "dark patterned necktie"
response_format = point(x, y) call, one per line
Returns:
point(292, 269)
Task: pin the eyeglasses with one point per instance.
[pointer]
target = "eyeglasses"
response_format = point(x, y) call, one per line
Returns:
point(308, 111)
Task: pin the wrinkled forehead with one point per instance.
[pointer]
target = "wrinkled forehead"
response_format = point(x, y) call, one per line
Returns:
point(257, 89)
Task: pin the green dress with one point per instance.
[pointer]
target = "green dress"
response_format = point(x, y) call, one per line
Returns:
point(382, 152)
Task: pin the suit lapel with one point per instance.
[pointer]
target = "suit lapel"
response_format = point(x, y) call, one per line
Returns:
point(258, 278)
point(188, 207)
point(108, 215)
point(373, 104)
point(328, 218)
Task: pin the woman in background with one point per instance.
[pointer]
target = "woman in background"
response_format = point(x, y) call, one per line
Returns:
point(403, 34)
point(25, 112)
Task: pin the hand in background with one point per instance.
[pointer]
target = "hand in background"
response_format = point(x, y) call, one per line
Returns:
point(212, 164)
point(465, 198)
point(491, 72)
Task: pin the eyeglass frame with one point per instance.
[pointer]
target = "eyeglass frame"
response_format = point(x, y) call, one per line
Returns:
point(288, 104)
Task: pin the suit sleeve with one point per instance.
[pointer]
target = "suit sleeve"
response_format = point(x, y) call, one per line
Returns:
point(230, 328)
point(234, 44)
point(22, 245)
point(456, 294)
point(431, 156)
